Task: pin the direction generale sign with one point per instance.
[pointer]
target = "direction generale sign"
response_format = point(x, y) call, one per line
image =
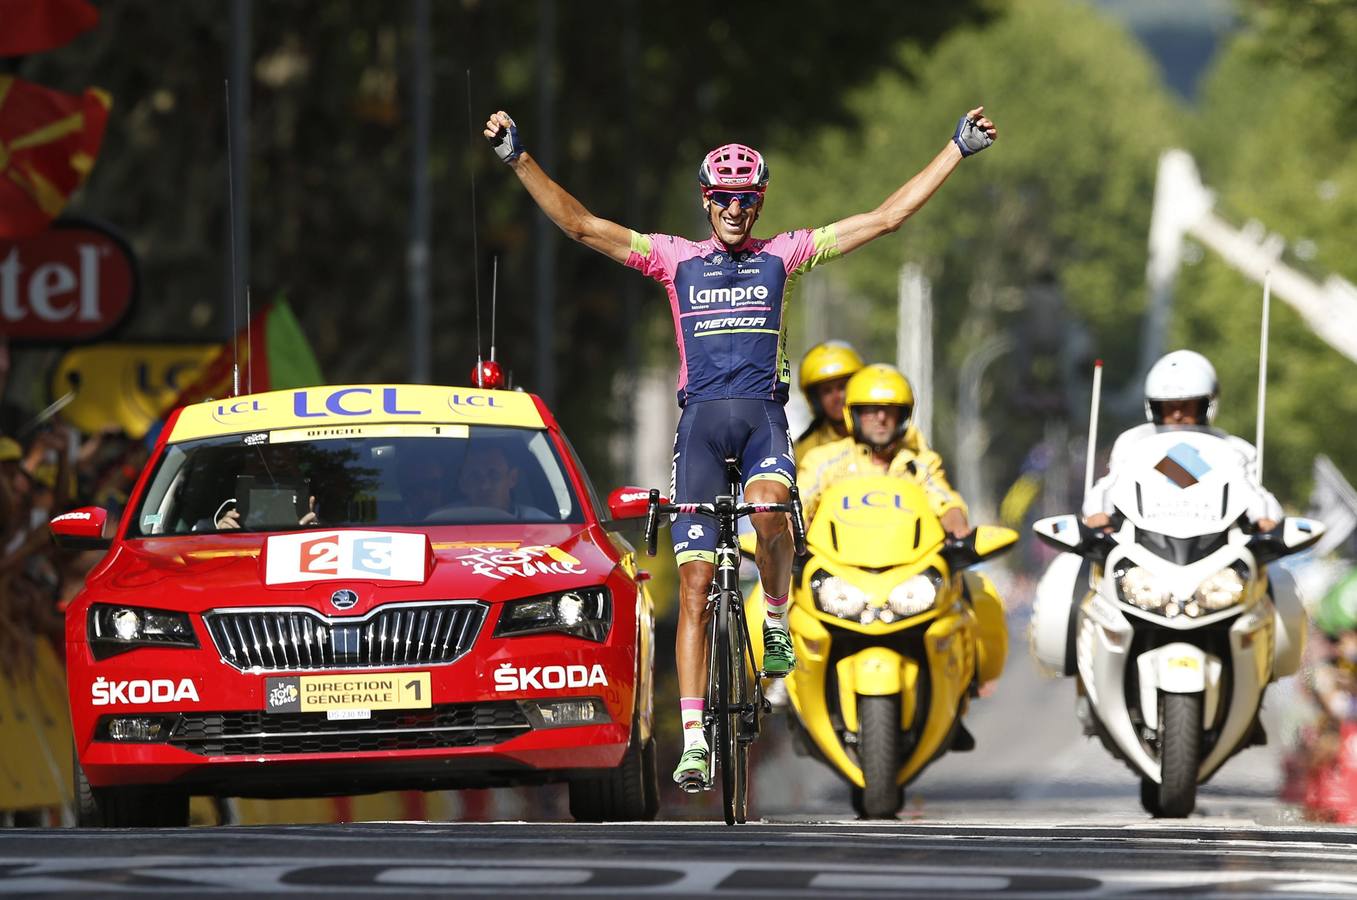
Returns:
point(73, 282)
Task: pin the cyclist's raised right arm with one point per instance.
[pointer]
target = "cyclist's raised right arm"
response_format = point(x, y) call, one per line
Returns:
point(560, 206)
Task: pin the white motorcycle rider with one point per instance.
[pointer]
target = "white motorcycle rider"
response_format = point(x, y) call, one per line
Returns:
point(1165, 609)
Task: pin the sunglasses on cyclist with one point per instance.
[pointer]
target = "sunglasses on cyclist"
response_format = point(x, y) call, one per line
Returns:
point(723, 199)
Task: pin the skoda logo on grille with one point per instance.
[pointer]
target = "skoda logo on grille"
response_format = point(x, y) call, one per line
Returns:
point(344, 599)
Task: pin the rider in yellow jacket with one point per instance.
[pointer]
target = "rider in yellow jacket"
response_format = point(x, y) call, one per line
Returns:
point(877, 405)
point(824, 373)
point(825, 370)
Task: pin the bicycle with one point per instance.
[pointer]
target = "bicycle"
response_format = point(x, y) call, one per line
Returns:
point(732, 717)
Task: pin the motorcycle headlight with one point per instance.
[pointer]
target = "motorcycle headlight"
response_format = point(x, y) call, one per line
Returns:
point(837, 597)
point(914, 595)
point(1222, 590)
point(117, 629)
point(1136, 586)
point(585, 613)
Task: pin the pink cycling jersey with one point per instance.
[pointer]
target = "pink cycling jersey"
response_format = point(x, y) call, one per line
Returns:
point(728, 307)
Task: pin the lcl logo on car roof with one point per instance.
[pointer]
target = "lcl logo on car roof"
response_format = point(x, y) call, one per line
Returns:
point(344, 599)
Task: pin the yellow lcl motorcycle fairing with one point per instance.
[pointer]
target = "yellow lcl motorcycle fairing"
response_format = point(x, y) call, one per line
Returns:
point(892, 638)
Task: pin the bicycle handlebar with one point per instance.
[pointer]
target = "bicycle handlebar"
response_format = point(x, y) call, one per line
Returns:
point(710, 510)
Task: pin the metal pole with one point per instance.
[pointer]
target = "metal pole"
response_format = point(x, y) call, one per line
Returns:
point(914, 341)
point(631, 286)
point(1262, 374)
point(239, 150)
point(1093, 427)
point(545, 242)
point(972, 439)
point(417, 251)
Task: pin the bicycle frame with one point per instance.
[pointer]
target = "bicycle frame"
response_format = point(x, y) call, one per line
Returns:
point(732, 717)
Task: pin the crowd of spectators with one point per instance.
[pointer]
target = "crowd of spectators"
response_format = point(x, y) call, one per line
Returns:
point(48, 467)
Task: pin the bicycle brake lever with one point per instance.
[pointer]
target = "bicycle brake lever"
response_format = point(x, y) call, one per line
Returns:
point(798, 524)
point(652, 521)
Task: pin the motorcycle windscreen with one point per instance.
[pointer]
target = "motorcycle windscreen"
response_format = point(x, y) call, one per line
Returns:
point(1183, 483)
point(874, 523)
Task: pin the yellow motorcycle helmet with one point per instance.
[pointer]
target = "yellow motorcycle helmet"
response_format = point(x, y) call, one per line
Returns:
point(878, 385)
point(825, 362)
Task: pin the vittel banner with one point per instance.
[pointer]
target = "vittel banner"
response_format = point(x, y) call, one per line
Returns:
point(71, 283)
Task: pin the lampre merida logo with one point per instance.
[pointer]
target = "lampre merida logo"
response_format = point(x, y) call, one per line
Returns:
point(509, 677)
point(157, 690)
point(730, 322)
point(726, 294)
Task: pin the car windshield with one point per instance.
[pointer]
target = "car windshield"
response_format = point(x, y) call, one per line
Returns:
point(440, 475)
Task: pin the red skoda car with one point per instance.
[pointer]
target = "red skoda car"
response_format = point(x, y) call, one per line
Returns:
point(340, 590)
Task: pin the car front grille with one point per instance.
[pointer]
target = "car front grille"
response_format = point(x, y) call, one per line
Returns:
point(261, 733)
point(395, 636)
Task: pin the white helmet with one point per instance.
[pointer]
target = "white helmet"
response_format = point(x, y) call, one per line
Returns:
point(1180, 375)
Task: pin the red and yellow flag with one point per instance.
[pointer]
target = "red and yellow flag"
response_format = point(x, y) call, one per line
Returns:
point(32, 26)
point(48, 142)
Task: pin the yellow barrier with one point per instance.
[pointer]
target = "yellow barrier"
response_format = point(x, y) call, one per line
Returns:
point(35, 737)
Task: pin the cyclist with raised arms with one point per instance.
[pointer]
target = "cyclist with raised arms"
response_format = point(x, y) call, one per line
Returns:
point(727, 294)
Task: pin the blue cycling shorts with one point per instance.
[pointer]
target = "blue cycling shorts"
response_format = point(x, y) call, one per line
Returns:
point(752, 432)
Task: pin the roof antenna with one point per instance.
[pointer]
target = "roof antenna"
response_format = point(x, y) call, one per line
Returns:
point(494, 293)
point(475, 249)
point(231, 226)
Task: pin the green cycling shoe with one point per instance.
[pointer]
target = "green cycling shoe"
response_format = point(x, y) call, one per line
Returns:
point(694, 769)
point(778, 656)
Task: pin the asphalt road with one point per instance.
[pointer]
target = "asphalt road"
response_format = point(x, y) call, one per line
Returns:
point(806, 859)
point(1037, 810)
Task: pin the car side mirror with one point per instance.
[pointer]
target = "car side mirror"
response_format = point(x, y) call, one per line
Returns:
point(1293, 535)
point(81, 529)
point(628, 503)
point(984, 542)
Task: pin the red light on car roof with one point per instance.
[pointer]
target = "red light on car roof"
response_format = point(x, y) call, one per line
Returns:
point(487, 374)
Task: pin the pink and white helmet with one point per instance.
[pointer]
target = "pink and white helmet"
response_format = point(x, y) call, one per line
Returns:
point(733, 166)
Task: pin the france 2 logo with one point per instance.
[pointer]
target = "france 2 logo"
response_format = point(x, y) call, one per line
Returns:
point(368, 555)
point(384, 556)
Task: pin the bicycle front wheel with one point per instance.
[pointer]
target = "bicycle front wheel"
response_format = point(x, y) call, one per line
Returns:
point(745, 722)
point(727, 710)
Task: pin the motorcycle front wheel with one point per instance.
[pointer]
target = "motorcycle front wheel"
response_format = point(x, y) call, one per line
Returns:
point(1180, 748)
point(878, 742)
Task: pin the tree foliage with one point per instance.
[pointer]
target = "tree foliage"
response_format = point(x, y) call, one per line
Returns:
point(1047, 227)
point(641, 91)
point(1271, 142)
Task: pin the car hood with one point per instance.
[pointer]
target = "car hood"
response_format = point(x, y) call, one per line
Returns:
point(491, 563)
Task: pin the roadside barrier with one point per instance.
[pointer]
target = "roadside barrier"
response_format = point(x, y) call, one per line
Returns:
point(35, 738)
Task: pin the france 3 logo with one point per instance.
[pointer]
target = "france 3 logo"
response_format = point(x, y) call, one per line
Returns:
point(379, 555)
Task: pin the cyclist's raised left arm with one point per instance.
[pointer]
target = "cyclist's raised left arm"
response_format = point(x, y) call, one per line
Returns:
point(560, 205)
point(974, 133)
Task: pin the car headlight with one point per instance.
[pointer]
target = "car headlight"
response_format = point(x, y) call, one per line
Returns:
point(838, 597)
point(1222, 590)
point(117, 629)
point(914, 595)
point(585, 613)
point(1137, 586)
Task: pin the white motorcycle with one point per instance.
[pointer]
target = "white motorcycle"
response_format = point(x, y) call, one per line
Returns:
point(1182, 626)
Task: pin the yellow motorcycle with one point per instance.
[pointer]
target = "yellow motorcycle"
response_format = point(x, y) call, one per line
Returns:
point(892, 638)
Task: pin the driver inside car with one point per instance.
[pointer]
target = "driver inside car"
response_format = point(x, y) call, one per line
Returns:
point(488, 479)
